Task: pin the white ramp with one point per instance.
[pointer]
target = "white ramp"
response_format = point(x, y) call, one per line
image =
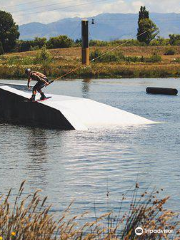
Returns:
point(80, 113)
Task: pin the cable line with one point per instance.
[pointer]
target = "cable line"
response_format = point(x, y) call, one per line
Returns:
point(76, 5)
point(20, 4)
point(42, 6)
point(111, 50)
point(72, 34)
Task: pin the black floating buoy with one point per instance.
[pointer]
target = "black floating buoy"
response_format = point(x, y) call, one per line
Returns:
point(165, 91)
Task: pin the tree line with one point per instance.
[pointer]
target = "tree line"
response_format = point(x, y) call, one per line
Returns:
point(147, 34)
point(65, 42)
point(54, 42)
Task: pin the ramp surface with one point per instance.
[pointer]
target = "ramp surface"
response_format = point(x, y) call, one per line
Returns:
point(63, 112)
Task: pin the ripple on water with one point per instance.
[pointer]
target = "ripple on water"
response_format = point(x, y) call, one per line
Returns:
point(85, 165)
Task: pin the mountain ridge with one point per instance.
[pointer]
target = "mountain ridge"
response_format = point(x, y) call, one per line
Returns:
point(108, 26)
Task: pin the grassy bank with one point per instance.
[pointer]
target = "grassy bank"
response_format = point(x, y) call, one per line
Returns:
point(30, 218)
point(163, 61)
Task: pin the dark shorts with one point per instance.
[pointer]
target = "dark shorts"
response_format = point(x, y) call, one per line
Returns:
point(39, 85)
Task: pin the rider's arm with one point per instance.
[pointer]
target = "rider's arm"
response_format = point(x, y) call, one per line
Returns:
point(43, 80)
point(29, 80)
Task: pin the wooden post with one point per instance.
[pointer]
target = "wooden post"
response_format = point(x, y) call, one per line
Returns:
point(85, 42)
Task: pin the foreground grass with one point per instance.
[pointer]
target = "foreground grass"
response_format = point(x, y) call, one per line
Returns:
point(65, 60)
point(30, 219)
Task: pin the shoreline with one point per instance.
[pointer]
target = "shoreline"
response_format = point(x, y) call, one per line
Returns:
point(98, 72)
point(66, 60)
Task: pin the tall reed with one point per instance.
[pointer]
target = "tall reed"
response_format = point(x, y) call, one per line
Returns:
point(29, 218)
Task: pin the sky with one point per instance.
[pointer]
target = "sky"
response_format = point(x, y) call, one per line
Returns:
point(46, 11)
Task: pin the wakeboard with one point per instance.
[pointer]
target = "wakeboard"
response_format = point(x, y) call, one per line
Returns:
point(41, 100)
point(38, 100)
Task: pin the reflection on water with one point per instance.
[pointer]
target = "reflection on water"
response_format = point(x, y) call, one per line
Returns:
point(81, 166)
point(37, 148)
point(86, 88)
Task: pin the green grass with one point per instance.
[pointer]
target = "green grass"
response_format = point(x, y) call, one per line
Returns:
point(117, 56)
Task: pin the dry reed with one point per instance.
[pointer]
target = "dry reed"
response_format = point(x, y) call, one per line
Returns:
point(29, 218)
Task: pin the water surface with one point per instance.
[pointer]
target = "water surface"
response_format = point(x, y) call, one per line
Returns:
point(83, 166)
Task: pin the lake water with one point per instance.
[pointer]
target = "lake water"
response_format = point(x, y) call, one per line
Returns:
point(83, 166)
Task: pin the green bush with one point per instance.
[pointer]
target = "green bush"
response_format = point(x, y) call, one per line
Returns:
point(27, 61)
point(16, 60)
point(134, 59)
point(37, 43)
point(60, 42)
point(13, 60)
point(124, 42)
point(170, 51)
point(23, 46)
point(44, 58)
point(98, 43)
point(174, 39)
point(34, 48)
point(154, 58)
point(78, 43)
point(99, 56)
point(159, 41)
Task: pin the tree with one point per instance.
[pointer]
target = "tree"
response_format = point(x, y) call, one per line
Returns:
point(147, 29)
point(60, 42)
point(174, 39)
point(1, 49)
point(143, 13)
point(36, 44)
point(8, 31)
point(23, 46)
point(39, 42)
point(44, 58)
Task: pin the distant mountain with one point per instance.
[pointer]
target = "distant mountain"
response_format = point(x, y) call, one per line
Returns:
point(107, 26)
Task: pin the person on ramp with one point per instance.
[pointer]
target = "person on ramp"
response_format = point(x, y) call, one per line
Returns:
point(42, 81)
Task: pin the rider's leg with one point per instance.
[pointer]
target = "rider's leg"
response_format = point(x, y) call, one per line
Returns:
point(41, 92)
point(34, 91)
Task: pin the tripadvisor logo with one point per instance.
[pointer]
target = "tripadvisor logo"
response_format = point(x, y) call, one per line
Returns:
point(139, 231)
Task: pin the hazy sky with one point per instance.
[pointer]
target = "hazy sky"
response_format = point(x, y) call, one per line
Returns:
point(46, 11)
